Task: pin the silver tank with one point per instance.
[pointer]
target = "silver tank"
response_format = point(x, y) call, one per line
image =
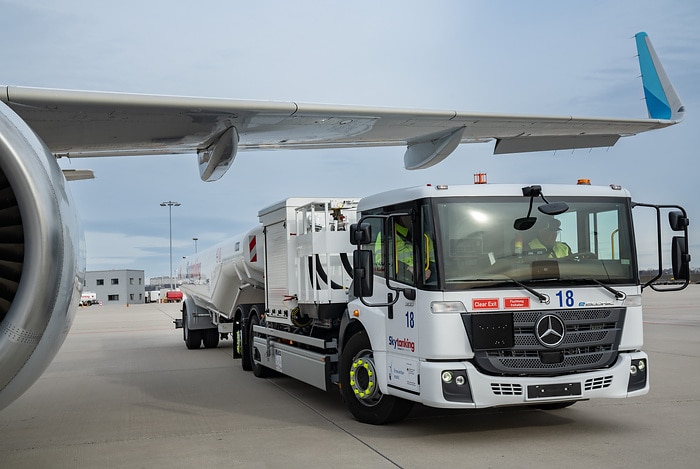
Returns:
point(227, 274)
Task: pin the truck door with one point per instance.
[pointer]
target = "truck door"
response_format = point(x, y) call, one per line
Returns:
point(398, 267)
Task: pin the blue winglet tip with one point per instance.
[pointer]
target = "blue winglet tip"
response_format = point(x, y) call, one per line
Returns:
point(661, 98)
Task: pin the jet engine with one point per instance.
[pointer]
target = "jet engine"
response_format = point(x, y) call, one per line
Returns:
point(42, 257)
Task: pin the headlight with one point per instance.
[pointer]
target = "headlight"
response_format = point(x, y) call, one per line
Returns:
point(441, 307)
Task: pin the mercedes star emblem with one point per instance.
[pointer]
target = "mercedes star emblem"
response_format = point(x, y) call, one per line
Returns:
point(550, 330)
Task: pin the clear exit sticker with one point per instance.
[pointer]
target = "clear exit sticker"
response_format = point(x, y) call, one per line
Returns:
point(485, 304)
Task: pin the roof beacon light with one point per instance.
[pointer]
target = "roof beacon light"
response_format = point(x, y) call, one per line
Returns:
point(479, 178)
point(584, 182)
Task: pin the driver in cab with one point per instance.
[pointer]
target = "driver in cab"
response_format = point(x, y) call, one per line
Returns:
point(546, 240)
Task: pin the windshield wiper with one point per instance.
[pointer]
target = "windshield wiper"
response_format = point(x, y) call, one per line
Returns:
point(618, 294)
point(540, 296)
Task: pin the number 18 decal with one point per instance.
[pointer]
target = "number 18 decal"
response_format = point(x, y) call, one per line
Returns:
point(566, 298)
point(410, 322)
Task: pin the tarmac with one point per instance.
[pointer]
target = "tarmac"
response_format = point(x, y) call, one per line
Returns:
point(125, 392)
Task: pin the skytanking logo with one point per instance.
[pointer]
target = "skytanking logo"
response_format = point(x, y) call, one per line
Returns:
point(402, 344)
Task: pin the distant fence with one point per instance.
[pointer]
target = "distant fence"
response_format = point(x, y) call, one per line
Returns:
point(667, 277)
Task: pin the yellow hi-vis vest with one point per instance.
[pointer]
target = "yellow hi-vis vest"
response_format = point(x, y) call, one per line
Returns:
point(558, 250)
point(403, 249)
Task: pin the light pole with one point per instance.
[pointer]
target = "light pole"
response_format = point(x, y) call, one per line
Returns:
point(170, 204)
point(195, 244)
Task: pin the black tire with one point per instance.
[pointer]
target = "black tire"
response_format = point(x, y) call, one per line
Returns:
point(211, 338)
point(246, 359)
point(259, 370)
point(241, 349)
point(193, 338)
point(362, 396)
point(235, 338)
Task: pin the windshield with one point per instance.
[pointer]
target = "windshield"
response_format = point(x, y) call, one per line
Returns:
point(590, 242)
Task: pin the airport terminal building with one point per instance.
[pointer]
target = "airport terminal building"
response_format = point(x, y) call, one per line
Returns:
point(116, 286)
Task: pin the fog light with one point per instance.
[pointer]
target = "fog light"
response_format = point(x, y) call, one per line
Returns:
point(447, 377)
point(638, 375)
point(459, 380)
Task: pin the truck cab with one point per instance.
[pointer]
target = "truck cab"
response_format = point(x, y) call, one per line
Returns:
point(469, 297)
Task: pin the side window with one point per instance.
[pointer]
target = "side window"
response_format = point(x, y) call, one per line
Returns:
point(377, 245)
point(427, 251)
point(605, 234)
point(402, 245)
point(396, 246)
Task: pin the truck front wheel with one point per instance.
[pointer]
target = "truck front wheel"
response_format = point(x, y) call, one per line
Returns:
point(358, 385)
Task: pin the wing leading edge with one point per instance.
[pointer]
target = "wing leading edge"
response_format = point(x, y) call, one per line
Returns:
point(92, 124)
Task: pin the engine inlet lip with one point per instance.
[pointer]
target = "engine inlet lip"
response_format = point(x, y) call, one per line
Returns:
point(30, 170)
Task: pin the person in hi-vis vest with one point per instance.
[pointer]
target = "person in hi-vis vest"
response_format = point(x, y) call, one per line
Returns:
point(547, 240)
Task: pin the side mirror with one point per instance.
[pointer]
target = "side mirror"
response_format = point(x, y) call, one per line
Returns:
point(677, 221)
point(360, 234)
point(680, 258)
point(362, 274)
point(548, 208)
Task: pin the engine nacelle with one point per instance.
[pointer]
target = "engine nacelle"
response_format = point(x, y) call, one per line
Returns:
point(42, 257)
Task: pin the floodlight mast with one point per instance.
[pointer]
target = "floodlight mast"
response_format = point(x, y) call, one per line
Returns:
point(170, 204)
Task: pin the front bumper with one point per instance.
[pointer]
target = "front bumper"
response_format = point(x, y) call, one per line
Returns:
point(480, 390)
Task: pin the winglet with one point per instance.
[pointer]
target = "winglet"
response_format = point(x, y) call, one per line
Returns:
point(662, 100)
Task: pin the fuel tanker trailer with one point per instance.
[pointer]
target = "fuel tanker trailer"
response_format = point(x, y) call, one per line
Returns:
point(456, 297)
point(217, 283)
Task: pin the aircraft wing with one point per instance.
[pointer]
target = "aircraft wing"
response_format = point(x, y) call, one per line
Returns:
point(90, 124)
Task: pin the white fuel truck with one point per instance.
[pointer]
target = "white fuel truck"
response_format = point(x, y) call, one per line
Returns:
point(448, 296)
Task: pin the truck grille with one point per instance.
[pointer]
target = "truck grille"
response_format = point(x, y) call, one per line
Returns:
point(591, 341)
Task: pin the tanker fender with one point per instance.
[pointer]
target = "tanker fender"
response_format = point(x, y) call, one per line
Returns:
point(197, 317)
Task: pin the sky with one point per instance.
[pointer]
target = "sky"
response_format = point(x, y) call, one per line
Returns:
point(546, 57)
